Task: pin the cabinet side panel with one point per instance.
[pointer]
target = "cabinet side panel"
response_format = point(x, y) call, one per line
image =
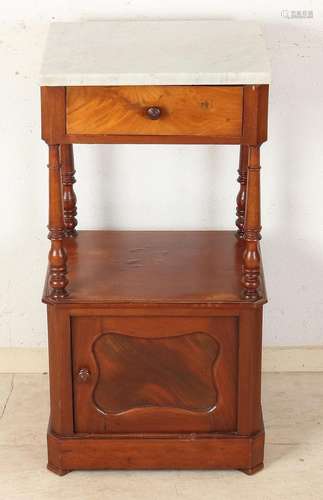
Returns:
point(249, 391)
point(60, 370)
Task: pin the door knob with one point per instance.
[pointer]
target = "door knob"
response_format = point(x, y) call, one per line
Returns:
point(84, 374)
point(153, 112)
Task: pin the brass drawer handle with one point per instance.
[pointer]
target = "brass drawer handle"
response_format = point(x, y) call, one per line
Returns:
point(153, 112)
point(84, 374)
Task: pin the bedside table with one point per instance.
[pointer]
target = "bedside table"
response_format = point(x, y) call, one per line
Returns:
point(154, 336)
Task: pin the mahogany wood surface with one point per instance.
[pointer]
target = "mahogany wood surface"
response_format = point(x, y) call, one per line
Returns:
point(241, 198)
point(155, 337)
point(249, 362)
point(57, 254)
point(73, 331)
point(69, 196)
point(254, 123)
point(177, 451)
point(155, 267)
point(157, 374)
point(171, 372)
point(179, 110)
point(60, 370)
point(251, 257)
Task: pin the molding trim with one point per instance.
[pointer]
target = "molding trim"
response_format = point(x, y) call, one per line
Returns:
point(275, 359)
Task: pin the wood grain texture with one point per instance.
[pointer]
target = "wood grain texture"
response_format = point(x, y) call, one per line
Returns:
point(175, 372)
point(150, 139)
point(57, 254)
point(69, 196)
point(53, 114)
point(185, 110)
point(155, 353)
point(255, 114)
point(155, 267)
point(251, 256)
point(241, 198)
point(254, 123)
point(208, 451)
point(165, 382)
point(60, 369)
point(249, 390)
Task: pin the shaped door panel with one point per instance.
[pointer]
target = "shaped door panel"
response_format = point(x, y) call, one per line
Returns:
point(154, 374)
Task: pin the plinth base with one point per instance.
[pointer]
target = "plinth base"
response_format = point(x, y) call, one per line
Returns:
point(179, 451)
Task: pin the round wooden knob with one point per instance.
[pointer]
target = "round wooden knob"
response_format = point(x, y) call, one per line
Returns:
point(153, 112)
point(84, 374)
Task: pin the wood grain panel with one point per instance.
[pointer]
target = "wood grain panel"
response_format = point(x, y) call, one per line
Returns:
point(206, 451)
point(185, 110)
point(160, 372)
point(157, 376)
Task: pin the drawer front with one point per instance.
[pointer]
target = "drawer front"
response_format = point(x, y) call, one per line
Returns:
point(154, 374)
point(213, 111)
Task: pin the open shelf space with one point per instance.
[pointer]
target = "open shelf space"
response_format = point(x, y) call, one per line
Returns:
point(154, 267)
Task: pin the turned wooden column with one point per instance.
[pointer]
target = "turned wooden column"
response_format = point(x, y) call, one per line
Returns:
point(57, 254)
point(241, 198)
point(251, 258)
point(69, 196)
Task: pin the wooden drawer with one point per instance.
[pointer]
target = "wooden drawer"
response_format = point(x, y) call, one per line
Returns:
point(155, 374)
point(213, 111)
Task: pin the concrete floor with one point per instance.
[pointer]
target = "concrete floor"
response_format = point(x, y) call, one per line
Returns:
point(293, 411)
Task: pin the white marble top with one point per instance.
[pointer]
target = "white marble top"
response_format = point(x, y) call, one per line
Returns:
point(155, 53)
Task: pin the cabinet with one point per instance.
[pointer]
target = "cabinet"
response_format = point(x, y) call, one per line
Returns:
point(154, 336)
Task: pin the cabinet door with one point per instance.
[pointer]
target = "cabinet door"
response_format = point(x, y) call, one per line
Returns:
point(154, 374)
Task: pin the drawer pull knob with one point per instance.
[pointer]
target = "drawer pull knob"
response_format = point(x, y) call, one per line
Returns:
point(153, 112)
point(84, 374)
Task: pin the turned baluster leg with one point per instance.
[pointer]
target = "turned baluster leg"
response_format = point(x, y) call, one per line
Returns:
point(57, 254)
point(241, 198)
point(69, 197)
point(251, 257)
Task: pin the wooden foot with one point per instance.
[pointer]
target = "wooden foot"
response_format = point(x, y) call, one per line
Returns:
point(56, 470)
point(253, 470)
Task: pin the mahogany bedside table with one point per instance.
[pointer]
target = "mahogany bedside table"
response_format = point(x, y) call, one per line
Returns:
point(154, 336)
